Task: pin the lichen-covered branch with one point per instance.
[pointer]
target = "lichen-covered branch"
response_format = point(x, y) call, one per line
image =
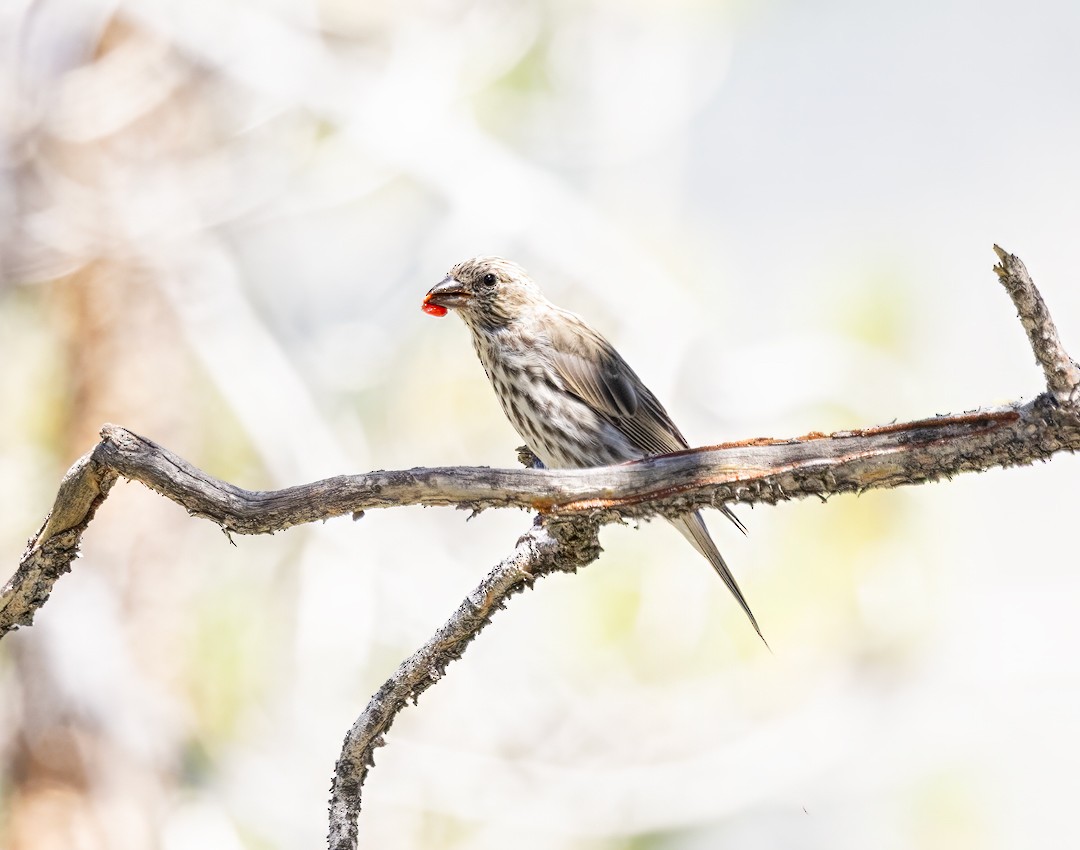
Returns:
point(751, 471)
point(549, 546)
point(1062, 372)
point(573, 504)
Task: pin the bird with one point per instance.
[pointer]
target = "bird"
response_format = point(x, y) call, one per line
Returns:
point(566, 390)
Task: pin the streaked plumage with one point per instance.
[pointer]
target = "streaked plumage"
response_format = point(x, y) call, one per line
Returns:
point(565, 389)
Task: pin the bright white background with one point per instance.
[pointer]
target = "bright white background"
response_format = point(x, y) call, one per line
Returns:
point(218, 220)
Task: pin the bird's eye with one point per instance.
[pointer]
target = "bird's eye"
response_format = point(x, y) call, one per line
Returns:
point(489, 279)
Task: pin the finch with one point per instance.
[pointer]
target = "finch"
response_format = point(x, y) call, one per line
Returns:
point(565, 388)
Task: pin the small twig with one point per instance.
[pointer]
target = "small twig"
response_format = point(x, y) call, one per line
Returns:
point(561, 546)
point(1062, 372)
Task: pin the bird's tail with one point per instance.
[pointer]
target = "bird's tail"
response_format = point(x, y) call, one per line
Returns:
point(693, 529)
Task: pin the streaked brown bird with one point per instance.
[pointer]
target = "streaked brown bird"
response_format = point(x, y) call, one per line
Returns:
point(564, 388)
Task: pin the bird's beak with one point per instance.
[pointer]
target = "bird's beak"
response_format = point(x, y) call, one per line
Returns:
point(448, 293)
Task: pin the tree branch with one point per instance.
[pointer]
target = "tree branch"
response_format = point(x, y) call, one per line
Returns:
point(574, 503)
point(550, 546)
point(1062, 372)
point(752, 471)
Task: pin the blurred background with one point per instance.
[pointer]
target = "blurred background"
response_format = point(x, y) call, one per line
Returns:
point(217, 220)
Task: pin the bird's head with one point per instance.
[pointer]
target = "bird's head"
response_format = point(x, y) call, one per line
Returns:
point(488, 292)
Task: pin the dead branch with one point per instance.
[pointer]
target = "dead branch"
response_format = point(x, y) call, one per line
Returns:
point(549, 546)
point(1062, 372)
point(573, 503)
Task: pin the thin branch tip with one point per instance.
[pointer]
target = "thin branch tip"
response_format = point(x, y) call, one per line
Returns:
point(1062, 372)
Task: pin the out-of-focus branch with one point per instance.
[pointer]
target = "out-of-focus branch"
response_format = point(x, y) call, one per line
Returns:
point(551, 545)
point(574, 503)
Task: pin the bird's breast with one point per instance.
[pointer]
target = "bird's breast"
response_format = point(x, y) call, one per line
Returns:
point(559, 428)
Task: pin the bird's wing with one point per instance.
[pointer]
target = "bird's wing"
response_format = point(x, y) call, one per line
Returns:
point(594, 371)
